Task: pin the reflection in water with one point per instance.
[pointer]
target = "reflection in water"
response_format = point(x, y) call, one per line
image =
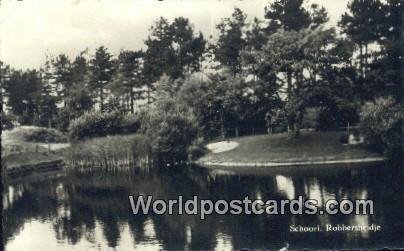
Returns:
point(223, 242)
point(285, 186)
point(316, 192)
point(148, 230)
point(92, 212)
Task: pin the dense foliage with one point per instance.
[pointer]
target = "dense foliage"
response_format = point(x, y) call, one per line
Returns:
point(7, 121)
point(381, 124)
point(96, 124)
point(42, 134)
point(171, 128)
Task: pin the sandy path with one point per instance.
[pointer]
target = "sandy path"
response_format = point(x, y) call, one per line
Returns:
point(222, 146)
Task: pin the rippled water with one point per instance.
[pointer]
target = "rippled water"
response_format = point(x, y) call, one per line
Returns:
point(92, 212)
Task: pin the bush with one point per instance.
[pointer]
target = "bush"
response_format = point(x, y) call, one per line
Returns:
point(380, 124)
point(344, 139)
point(326, 120)
point(310, 118)
point(7, 121)
point(331, 118)
point(130, 123)
point(98, 124)
point(63, 119)
point(171, 129)
point(279, 123)
point(95, 124)
point(41, 134)
point(197, 148)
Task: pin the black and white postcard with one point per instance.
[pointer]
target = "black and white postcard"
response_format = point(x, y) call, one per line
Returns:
point(202, 125)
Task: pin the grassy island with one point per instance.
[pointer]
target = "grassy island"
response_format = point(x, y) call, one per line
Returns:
point(281, 149)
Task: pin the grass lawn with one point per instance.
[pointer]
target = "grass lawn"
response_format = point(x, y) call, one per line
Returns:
point(309, 146)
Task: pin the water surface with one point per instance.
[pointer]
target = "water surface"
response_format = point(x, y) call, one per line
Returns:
point(92, 211)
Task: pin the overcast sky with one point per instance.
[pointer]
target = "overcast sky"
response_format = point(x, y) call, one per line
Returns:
point(31, 28)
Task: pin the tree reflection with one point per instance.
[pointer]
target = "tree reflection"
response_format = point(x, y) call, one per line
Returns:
point(80, 204)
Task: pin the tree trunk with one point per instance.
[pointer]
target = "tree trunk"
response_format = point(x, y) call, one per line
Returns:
point(296, 131)
point(289, 92)
point(101, 99)
point(132, 99)
point(127, 102)
point(366, 60)
point(289, 83)
point(361, 59)
point(148, 95)
point(222, 124)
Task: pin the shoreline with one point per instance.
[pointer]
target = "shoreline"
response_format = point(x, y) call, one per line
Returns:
point(368, 160)
point(18, 166)
point(41, 168)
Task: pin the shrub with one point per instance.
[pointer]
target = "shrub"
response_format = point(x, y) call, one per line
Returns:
point(310, 118)
point(42, 134)
point(280, 121)
point(380, 124)
point(130, 123)
point(7, 121)
point(197, 148)
point(171, 128)
point(95, 124)
point(325, 120)
point(98, 124)
point(63, 119)
point(331, 118)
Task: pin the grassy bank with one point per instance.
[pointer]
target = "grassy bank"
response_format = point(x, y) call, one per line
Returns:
point(282, 148)
point(31, 139)
point(29, 158)
point(29, 146)
point(29, 151)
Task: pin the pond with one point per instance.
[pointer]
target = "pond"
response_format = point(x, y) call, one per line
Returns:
point(87, 211)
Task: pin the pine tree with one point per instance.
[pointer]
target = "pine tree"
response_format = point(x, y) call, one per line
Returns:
point(61, 75)
point(228, 48)
point(128, 76)
point(101, 72)
point(289, 14)
point(362, 24)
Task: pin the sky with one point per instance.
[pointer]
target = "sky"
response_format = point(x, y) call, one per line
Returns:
point(30, 29)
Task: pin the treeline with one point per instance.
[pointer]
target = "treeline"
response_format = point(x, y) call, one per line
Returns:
point(285, 72)
point(65, 88)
